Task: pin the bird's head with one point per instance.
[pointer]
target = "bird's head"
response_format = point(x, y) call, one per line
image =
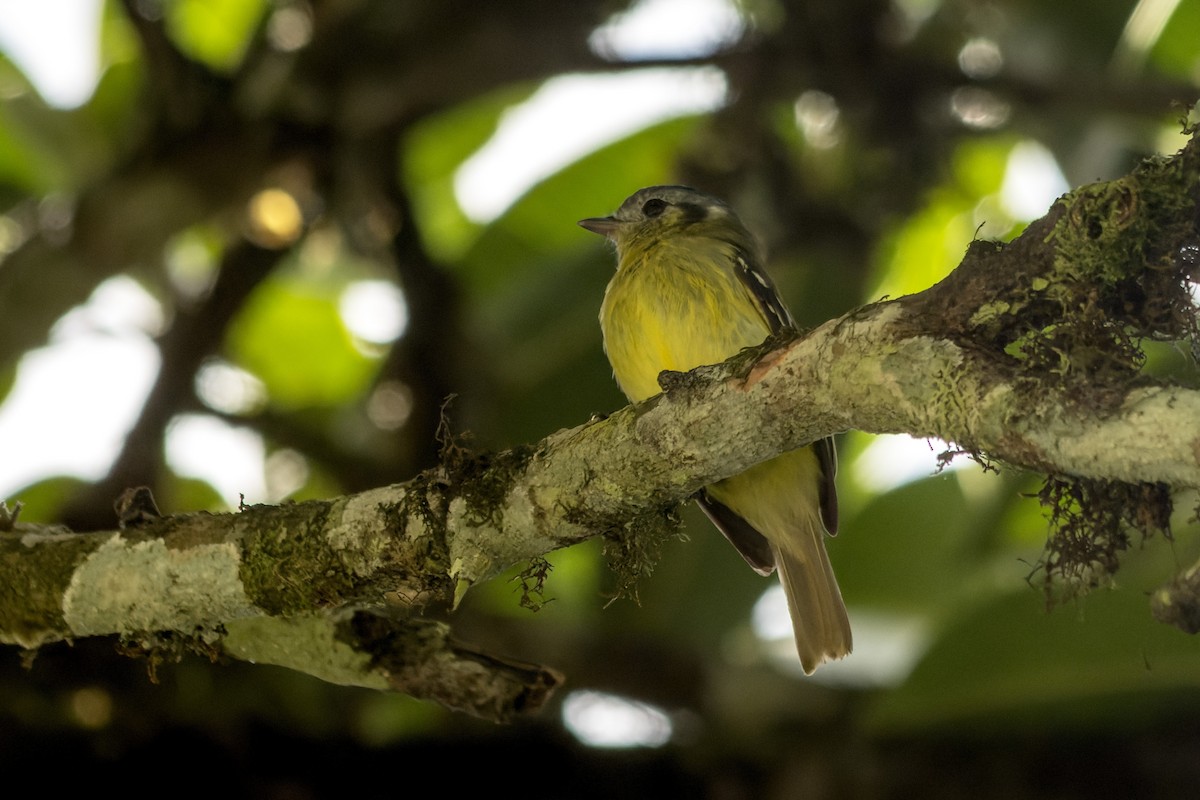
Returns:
point(661, 212)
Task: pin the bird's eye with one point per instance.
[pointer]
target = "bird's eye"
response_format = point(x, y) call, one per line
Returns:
point(653, 207)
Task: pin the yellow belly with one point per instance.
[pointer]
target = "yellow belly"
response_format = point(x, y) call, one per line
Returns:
point(674, 317)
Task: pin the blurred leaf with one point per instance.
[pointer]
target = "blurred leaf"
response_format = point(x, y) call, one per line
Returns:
point(1175, 50)
point(1057, 34)
point(384, 719)
point(980, 164)
point(44, 149)
point(932, 241)
point(215, 32)
point(430, 156)
point(1172, 361)
point(27, 163)
point(927, 247)
point(115, 109)
point(572, 585)
point(320, 485)
point(8, 379)
point(13, 81)
point(119, 41)
point(112, 111)
point(542, 221)
point(290, 334)
point(1011, 662)
point(181, 494)
point(923, 547)
point(42, 501)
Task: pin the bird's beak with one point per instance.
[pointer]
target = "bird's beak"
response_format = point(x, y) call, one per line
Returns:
point(605, 226)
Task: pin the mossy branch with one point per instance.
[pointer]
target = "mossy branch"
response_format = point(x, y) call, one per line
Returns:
point(1027, 354)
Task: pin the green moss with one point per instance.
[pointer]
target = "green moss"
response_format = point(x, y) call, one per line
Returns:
point(288, 565)
point(481, 479)
point(424, 501)
point(486, 479)
point(1113, 283)
point(1101, 235)
point(633, 549)
point(33, 579)
point(1091, 522)
point(989, 312)
point(1105, 272)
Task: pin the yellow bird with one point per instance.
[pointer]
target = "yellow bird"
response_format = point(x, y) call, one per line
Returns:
point(689, 290)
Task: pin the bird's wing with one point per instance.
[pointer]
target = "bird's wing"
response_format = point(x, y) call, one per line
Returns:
point(753, 546)
point(759, 284)
point(762, 289)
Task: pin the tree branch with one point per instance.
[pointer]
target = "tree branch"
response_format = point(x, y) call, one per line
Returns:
point(1027, 353)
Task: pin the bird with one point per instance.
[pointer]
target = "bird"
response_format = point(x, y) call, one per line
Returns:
point(690, 290)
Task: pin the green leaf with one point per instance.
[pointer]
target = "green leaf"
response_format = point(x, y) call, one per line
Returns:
point(181, 495)
point(571, 587)
point(42, 501)
point(28, 163)
point(216, 32)
point(8, 379)
point(1012, 663)
point(430, 155)
point(291, 335)
point(929, 549)
point(542, 221)
point(980, 164)
point(932, 241)
point(1177, 50)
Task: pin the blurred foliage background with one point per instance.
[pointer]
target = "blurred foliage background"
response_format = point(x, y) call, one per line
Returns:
point(279, 235)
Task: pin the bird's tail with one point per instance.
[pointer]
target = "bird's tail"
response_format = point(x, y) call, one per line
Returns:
point(774, 509)
point(814, 601)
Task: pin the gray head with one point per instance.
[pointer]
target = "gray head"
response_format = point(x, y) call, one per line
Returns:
point(659, 211)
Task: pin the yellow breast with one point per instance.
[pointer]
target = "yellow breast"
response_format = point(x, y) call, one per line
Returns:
point(675, 306)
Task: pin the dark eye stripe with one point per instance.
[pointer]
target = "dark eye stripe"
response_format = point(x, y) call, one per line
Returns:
point(693, 212)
